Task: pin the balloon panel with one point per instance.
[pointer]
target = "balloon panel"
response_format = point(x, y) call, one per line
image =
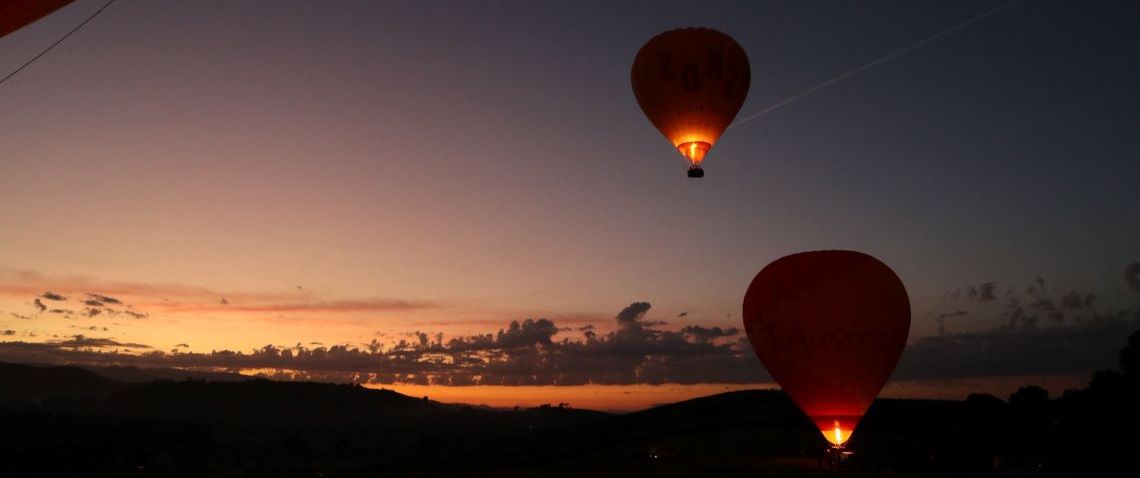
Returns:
point(691, 83)
point(829, 326)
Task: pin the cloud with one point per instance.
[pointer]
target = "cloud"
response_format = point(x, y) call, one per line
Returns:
point(104, 299)
point(632, 313)
point(1132, 276)
point(91, 327)
point(83, 341)
point(1079, 348)
point(8, 332)
point(956, 313)
point(636, 351)
point(1074, 300)
point(983, 292)
point(345, 306)
point(705, 334)
point(527, 333)
point(683, 314)
point(163, 299)
point(49, 295)
point(21, 316)
point(986, 291)
point(30, 283)
point(1044, 305)
point(523, 353)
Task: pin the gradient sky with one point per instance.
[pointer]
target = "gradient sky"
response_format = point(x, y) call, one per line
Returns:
point(339, 169)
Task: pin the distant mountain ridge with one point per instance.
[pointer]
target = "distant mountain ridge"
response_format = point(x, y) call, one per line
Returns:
point(185, 396)
point(132, 374)
point(40, 382)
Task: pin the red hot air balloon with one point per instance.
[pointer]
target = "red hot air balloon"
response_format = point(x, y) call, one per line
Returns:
point(830, 327)
point(691, 83)
point(15, 14)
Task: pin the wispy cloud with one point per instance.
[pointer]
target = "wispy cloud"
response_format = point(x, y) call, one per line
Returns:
point(111, 298)
point(370, 305)
point(531, 352)
point(93, 342)
point(634, 350)
point(49, 295)
point(524, 352)
point(26, 283)
point(102, 299)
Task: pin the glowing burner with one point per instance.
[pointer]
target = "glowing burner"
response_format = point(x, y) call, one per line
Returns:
point(694, 151)
point(837, 430)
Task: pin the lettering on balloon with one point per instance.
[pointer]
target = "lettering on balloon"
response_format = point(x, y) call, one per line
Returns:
point(666, 57)
point(716, 63)
point(690, 78)
point(733, 74)
point(690, 82)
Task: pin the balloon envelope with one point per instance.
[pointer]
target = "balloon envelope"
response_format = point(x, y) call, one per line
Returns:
point(691, 83)
point(15, 14)
point(829, 326)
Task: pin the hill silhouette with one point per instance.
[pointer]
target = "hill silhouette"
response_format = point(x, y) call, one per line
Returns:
point(67, 421)
point(131, 374)
point(30, 383)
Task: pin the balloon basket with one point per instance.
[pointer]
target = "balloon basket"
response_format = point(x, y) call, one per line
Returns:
point(838, 456)
point(696, 172)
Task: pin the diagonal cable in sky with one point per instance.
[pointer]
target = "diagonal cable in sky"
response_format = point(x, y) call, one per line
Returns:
point(877, 62)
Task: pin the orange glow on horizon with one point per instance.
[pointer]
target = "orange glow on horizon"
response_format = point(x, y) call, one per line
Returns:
point(617, 398)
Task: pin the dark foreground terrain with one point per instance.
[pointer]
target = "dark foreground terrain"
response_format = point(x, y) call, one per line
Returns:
point(71, 421)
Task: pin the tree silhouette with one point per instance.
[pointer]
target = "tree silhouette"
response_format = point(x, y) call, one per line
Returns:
point(1130, 356)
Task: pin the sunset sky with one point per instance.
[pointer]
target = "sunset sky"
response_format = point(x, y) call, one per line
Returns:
point(208, 176)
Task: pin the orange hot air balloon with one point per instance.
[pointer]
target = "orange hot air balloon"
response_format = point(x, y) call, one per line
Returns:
point(691, 83)
point(830, 327)
point(14, 14)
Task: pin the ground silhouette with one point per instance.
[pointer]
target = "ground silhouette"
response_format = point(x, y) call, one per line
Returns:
point(69, 421)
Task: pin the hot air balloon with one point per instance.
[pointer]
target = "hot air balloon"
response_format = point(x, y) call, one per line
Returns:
point(829, 326)
point(14, 14)
point(691, 83)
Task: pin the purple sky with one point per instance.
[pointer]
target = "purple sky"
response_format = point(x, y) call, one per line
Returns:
point(451, 165)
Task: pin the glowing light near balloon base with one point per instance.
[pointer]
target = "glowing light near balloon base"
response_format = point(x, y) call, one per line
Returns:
point(694, 151)
point(837, 435)
point(836, 429)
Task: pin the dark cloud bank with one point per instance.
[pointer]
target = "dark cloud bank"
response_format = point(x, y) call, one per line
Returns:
point(1039, 335)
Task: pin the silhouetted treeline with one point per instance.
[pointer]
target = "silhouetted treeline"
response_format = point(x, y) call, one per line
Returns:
point(1083, 432)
